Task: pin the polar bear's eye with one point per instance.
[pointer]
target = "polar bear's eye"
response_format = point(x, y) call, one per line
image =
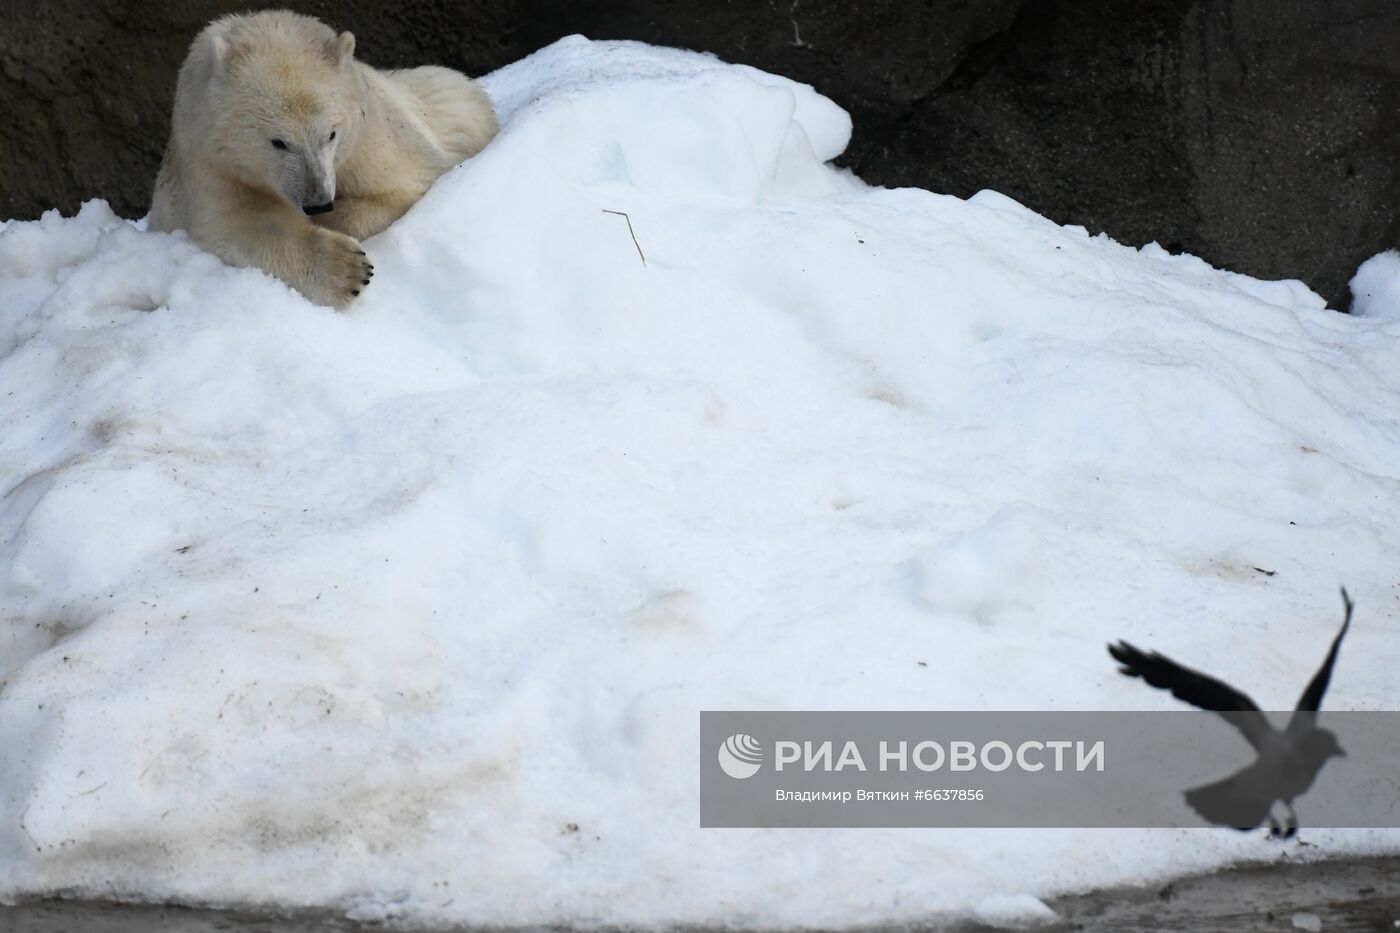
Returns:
point(278, 144)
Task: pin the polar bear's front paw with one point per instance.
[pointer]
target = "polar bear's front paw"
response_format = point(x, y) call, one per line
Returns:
point(340, 269)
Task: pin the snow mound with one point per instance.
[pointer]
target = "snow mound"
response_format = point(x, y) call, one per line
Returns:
point(410, 611)
point(1375, 289)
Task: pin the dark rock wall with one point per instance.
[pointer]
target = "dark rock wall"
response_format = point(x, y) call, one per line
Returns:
point(1258, 134)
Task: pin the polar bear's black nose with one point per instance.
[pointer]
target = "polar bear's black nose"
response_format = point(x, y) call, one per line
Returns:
point(315, 209)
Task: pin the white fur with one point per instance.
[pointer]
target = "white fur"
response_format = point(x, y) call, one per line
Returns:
point(369, 141)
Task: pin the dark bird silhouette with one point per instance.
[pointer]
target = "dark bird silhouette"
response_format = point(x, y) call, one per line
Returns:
point(1288, 760)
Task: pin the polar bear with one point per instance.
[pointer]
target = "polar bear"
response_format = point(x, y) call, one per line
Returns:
point(285, 151)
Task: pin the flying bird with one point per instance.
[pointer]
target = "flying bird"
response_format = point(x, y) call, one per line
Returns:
point(1288, 760)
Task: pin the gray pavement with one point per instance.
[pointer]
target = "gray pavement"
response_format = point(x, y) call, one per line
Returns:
point(1339, 896)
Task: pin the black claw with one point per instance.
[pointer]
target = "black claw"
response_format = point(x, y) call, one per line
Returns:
point(365, 282)
point(355, 292)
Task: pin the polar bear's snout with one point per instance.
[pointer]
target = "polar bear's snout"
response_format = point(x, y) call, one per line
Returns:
point(315, 181)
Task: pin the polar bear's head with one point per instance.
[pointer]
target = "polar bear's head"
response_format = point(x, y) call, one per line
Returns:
point(284, 97)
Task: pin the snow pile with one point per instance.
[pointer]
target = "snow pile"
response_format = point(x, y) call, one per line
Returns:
point(1375, 289)
point(411, 610)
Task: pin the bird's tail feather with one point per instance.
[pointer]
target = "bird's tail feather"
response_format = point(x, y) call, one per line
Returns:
point(1229, 803)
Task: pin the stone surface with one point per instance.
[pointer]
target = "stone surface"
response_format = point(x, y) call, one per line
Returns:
point(1344, 894)
point(1259, 134)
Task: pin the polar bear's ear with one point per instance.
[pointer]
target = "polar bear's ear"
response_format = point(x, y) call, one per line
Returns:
point(343, 49)
point(219, 46)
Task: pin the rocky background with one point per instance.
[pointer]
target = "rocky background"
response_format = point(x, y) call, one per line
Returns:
point(1260, 135)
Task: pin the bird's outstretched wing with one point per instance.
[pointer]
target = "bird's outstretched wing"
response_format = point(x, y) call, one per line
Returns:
point(1311, 700)
point(1195, 688)
point(1236, 801)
